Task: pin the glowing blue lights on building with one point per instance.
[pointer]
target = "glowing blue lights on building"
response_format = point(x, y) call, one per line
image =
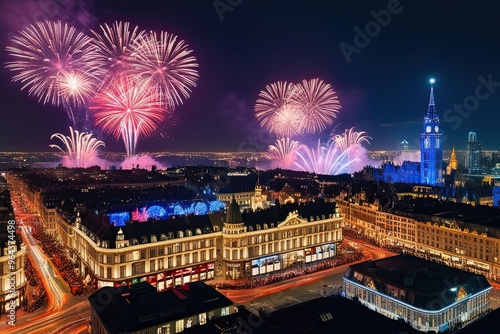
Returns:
point(119, 218)
point(163, 212)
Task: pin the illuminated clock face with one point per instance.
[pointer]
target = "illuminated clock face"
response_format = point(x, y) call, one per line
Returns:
point(436, 128)
point(428, 129)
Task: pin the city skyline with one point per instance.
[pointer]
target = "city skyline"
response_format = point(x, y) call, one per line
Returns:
point(243, 47)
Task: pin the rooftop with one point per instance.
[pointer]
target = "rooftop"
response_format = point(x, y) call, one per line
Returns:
point(417, 282)
point(140, 306)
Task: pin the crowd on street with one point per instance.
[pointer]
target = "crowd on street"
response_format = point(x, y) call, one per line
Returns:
point(286, 274)
point(39, 297)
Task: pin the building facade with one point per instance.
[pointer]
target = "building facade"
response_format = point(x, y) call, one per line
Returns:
point(469, 246)
point(418, 291)
point(190, 248)
point(431, 150)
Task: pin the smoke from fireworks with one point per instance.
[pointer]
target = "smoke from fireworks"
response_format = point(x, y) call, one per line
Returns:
point(128, 108)
point(79, 147)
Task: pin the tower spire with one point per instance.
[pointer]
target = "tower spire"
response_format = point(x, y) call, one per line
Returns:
point(431, 110)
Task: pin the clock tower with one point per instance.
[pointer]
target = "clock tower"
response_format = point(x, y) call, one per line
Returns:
point(431, 150)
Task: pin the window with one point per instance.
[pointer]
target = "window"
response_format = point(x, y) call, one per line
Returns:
point(143, 254)
point(108, 274)
point(152, 265)
point(122, 258)
point(203, 318)
point(122, 271)
point(152, 252)
point(179, 326)
point(160, 264)
point(224, 311)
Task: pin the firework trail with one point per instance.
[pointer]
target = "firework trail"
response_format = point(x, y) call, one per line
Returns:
point(45, 55)
point(79, 147)
point(167, 64)
point(128, 108)
point(318, 102)
point(284, 151)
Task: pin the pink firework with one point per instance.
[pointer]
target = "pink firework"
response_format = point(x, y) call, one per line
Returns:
point(350, 138)
point(79, 147)
point(166, 63)
point(326, 159)
point(114, 48)
point(284, 152)
point(77, 87)
point(128, 108)
point(43, 52)
point(319, 103)
point(276, 110)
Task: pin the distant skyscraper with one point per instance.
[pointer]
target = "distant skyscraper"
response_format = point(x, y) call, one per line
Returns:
point(404, 145)
point(431, 151)
point(473, 152)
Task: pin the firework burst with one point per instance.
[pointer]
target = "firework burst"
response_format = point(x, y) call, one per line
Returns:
point(128, 108)
point(114, 47)
point(167, 64)
point(42, 52)
point(276, 111)
point(79, 147)
point(318, 102)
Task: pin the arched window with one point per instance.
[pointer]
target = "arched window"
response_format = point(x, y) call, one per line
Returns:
point(163, 237)
point(170, 235)
point(180, 234)
point(153, 238)
point(198, 231)
point(144, 239)
point(189, 233)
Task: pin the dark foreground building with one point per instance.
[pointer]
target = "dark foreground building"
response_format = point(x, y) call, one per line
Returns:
point(427, 295)
point(141, 309)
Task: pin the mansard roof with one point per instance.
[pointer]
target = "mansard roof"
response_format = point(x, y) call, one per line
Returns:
point(423, 284)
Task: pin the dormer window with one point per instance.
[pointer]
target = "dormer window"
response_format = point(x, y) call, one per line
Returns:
point(163, 237)
point(198, 231)
point(144, 239)
point(180, 234)
point(153, 238)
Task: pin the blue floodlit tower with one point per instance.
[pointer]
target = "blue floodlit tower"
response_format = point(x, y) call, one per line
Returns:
point(431, 150)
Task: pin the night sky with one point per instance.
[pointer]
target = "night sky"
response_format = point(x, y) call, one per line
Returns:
point(383, 90)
